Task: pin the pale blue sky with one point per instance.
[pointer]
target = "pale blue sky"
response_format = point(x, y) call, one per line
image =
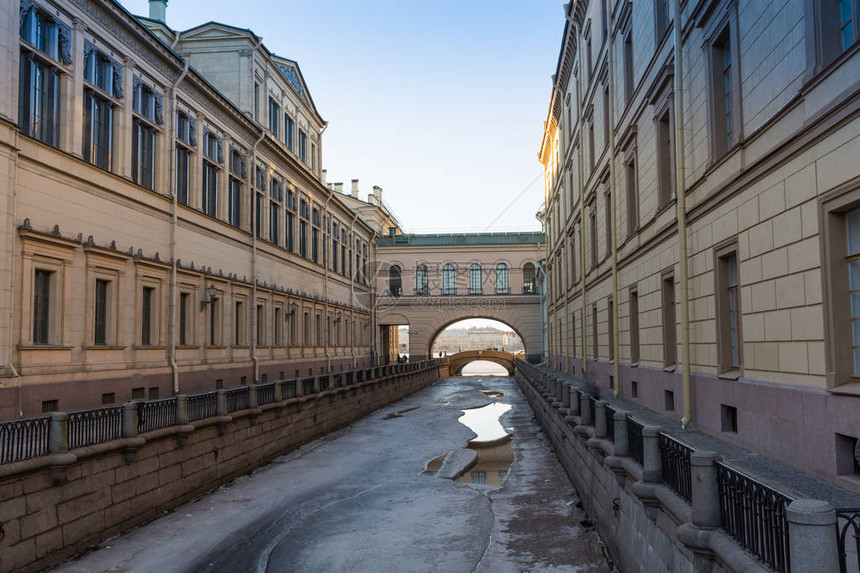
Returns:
point(439, 102)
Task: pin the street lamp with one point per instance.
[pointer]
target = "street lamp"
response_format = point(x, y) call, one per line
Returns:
point(339, 316)
point(293, 307)
point(212, 292)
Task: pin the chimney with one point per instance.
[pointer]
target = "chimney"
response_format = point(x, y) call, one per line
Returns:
point(324, 174)
point(355, 188)
point(338, 187)
point(158, 10)
point(377, 192)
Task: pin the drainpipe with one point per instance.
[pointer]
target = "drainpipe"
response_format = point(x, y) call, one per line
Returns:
point(174, 214)
point(12, 275)
point(613, 199)
point(325, 281)
point(581, 158)
point(680, 188)
point(350, 239)
point(251, 179)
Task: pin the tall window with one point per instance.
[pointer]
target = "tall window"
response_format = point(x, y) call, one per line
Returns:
point(274, 118)
point(261, 325)
point(529, 279)
point(42, 306)
point(634, 325)
point(632, 193)
point(503, 285)
point(100, 312)
point(259, 203)
point(852, 237)
point(276, 197)
point(607, 126)
point(304, 214)
point(147, 317)
point(278, 326)
point(237, 175)
point(215, 322)
point(395, 284)
point(147, 114)
point(475, 283)
point(728, 309)
point(592, 231)
point(628, 66)
point(102, 89)
point(184, 313)
point(422, 280)
point(665, 157)
point(607, 216)
point(448, 280)
point(186, 138)
point(723, 78)
point(591, 144)
point(289, 222)
point(289, 132)
point(670, 338)
point(213, 158)
point(239, 319)
point(313, 157)
point(303, 146)
point(662, 17)
point(315, 235)
point(847, 23)
point(335, 235)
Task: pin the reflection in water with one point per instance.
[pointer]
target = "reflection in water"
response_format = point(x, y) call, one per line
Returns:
point(484, 421)
point(493, 393)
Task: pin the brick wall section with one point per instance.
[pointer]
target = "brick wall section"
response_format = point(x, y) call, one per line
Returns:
point(100, 493)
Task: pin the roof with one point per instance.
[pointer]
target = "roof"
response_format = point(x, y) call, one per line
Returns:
point(463, 239)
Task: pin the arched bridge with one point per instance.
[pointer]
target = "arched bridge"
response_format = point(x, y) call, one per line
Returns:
point(456, 362)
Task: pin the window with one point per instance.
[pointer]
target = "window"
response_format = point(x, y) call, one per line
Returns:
point(852, 250)
point(289, 132)
point(215, 311)
point(591, 144)
point(237, 174)
point(422, 287)
point(724, 120)
point(315, 235)
point(184, 313)
point(147, 107)
point(303, 146)
point(278, 331)
point(607, 217)
point(102, 89)
point(448, 280)
point(395, 284)
point(728, 309)
point(592, 224)
point(670, 356)
point(183, 160)
point(475, 282)
point(594, 346)
point(607, 123)
point(632, 192)
point(503, 285)
point(634, 325)
point(307, 329)
point(147, 316)
point(304, 213)
point(313, 157)
point(479, 477)
point(100, 312)
point(529, 279)
point(257, 101)
point(239, 320)
point(572, 259)
point(610, 318)
point(213, 158)
point(42, 289)
point(665, 158)
point(318, 330)
point(628, 66)
point(261, 325)
point(274, 118)
point(259, 203)
point(276, 196)
point(662, 18)
point(588, 59)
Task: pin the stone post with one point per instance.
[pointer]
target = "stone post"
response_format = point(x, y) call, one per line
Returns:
point(600, 422)
point(812, 536)
point(129, 420)
point(565, 397)
point(622, 447)
point(221, 403)
point(252, 396)
point(58, 434)
point(585, 411)
point(652, 470)
point(706, 493)
point(575, 403)
point(316, 388)
point(181, 409)
point(279, 391)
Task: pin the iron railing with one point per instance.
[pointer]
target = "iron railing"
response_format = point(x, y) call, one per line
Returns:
point(94, 426)
point(609, 413)
point(307, 386)
point(675, 461)
point(202, 406)
point(324, 382)
point(848, 537)
point(237, 398)
point(156, 414)
point(288, 389)
point(592, 406)
point(635, 445)
point(754, 515)
point(265, 393)
point(24, 439)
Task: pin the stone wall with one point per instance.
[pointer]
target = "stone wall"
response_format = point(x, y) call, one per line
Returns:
point(55, 506)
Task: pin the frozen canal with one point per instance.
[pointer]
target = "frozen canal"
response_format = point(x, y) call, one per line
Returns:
point(371, 498)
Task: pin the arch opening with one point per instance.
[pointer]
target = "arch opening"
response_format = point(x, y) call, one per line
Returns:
point(476, 334)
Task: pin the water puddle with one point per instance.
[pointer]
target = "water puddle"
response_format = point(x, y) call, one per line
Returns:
point(493, 447)
point(494, 393)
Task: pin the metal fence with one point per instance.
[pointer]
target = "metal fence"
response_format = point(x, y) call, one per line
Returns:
point(634, 441)
point(848, 536)
point(754, 515)
point(94, 426)
point(237, 398)
point(324, 382)
point(675, 461)
point(156, 414)
point(609, 413)
point(265, 393)
point(307, 386)
point(24, 439)
point(288, 389)
point(202, 406)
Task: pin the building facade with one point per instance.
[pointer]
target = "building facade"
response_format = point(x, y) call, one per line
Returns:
point(701, 212)
point(165, 226)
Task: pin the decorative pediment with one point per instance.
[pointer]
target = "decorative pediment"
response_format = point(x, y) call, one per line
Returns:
point(216, 31)
point(292, 76)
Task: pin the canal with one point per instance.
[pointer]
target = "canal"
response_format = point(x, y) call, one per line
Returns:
point(411, 487)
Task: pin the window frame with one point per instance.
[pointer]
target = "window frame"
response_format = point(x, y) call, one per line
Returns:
point(722, 255)
point(669, 322)
point(633, 322)
point(503, 278)
point(721, 34)
point(476, 283)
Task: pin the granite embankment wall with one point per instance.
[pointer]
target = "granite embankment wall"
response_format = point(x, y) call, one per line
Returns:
point(57, 505)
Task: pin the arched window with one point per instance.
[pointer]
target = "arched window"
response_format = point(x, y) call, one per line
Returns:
point(529, 279)
point(503, 285)
point(475, 286)
point(421, 281)
point(395, 281)
point(448, 285)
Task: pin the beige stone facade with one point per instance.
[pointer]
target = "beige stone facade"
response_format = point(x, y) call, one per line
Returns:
point(767, 129)
point(165, 224)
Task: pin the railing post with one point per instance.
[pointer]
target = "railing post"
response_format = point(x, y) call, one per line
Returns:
point(622, 447)
point(221, 403)
point(600, 422)
point(565, 396)
point(252, 396)
point(652, 468)
point(181, 409)
point(585, 411)
point(58, 434)
point(278, 391)
point(812, 538)
point(129, 420)
point(575, 402)
point(706, 492)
